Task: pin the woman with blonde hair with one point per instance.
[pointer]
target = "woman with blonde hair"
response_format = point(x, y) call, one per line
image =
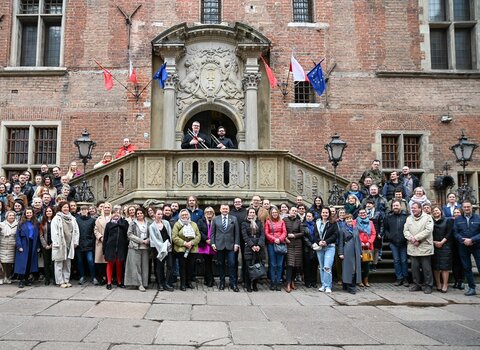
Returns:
point(107, 158)
point(73, 171)
point(8, 228)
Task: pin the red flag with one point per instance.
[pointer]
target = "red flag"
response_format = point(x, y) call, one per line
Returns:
point(108, 79)
point(132, 75)
point(270, 75)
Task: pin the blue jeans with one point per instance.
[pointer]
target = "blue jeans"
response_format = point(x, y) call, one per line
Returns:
point(275, 265)
point(465, 253)
point(325, 257)
point(232, 272)
point(88, 255)
point(400, 261)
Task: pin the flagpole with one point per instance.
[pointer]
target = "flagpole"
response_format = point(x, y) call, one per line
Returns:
point(140, 93)
point(118, 81)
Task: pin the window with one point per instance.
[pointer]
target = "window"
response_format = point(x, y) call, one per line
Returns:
point(304, 92)
point(37, 33)
point(211, 10)
point(302, 11)
point(29, 144)
point(401, 150)
point(453, 27)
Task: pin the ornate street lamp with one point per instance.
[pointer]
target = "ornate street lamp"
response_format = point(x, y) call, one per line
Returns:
point(85, 146)
point(463, 152)
point(335, 153)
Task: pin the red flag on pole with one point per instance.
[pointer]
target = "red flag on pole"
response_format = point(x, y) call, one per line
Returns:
point(132, 75)
point(108, 79)
point(270, 75)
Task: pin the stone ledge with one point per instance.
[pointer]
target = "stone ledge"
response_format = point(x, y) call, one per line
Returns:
point(429, 75)
point(32, 71)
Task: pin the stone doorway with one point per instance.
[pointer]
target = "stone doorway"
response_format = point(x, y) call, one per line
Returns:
point(210, 120)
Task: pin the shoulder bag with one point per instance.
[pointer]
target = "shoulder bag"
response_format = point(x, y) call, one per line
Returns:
point(280, 248)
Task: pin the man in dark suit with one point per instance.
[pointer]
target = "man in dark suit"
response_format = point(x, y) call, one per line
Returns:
point(196, 139)
point(225, 240)
point(225, 142)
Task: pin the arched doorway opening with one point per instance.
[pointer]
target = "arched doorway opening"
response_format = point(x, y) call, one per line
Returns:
point(210, 121)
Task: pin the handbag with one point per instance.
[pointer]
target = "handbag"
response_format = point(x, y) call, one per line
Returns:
point(280, 248)
point(367, 255)
point(257, 271)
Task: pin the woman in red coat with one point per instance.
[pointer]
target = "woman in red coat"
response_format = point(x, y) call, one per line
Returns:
point(367, 233)
point(275, 233)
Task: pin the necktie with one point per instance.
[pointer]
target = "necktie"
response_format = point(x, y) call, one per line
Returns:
point(224, 223)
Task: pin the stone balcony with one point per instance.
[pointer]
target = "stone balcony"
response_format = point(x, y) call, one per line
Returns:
point(213, 176)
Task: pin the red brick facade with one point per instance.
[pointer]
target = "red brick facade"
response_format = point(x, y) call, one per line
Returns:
point(362, 37)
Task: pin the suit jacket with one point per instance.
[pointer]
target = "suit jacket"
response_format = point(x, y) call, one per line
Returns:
point(225, 239)
point(187, 138)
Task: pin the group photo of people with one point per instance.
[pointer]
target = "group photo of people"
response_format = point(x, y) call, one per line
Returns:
point(47, 237)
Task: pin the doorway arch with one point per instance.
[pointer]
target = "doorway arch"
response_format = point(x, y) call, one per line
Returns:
point(210, 120)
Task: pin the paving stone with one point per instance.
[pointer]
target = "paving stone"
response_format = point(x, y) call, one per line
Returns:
point(49, 292)
point(247, 332)
point(132, 295)
point(363, 297)
point(412, 298)
point(459, 298)
point(10, 290)
point(273, 298)
point(69, 308)
point(71, 329)
point(153, 347)
point(327, 332)
point(304, 347)
point(450, 348)
point(387, 347)
point(451, 333)
point(25, 306)
point(4, 300)
point(193, 333)
point(228, 298)
point(169, 312)
point(394, 333)
point(92, 293)
point(313, 298)
point(17, 345)
point(412, 313)
point(113, 309)
point(471, 312)
point(236, 347)
point(301, 313)
point(365, 313)
point(227, 313)
point(120, 331)
point(472, 324)
point(9, 322)
point(71, 346)
point(178, 297)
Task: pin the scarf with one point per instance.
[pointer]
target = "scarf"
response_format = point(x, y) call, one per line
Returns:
point(364, 225)
point(310, 226)
point(350, 208)
point(187, 228)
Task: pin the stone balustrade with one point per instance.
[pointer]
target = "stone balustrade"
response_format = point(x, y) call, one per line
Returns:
point(213, 176)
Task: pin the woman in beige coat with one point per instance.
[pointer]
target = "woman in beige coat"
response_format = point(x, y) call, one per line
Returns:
point(8, 228)
point(99, 231)
point(65, 236)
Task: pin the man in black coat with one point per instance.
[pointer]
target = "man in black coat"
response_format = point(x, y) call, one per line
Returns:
point(225, 241)
point(196, 139)
point(393, 229)
point(86, 244)
point(225, 142)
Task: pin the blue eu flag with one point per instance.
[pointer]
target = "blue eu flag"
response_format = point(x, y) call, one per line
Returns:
point(161, 75)
point(316, 79)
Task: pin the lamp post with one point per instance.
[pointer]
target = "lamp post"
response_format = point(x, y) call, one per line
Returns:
point(335, 150)
point(85, 146)
point(463, 152)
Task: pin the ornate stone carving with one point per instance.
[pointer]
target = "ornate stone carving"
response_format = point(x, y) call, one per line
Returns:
point(209, 74)
point(171, 81)
point(267, 173)
point(250, 80)
point(154, 172)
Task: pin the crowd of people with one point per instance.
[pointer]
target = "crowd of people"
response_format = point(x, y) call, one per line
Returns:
point(43, 230)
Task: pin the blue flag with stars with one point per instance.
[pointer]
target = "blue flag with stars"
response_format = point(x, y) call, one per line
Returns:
point(161, 75)
point(316, 79)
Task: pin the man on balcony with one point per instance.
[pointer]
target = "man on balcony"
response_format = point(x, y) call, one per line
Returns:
point(223, 142)
point(194, 139)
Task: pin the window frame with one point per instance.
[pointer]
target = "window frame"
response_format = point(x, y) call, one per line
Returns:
point(311, 92)
point(202, 12)
point(449, 26)
point(32, 126)
point(42, 22)
point(400, 135)
point(309, 14)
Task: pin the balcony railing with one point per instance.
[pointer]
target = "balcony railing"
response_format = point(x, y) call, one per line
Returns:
point(213, 176)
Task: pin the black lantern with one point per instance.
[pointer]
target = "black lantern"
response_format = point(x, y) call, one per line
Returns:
point(85, 146)
point(335, 150)
point(463, 152)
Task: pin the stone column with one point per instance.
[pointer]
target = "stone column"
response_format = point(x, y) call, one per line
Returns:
point(168, 132)
point(250, 81)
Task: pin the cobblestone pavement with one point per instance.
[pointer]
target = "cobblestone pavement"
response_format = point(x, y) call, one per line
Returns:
point(380, 317)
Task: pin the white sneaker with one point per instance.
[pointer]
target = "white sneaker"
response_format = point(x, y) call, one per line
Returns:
point(141, 288)
point(1, 281)
point(321, 289)
point(328, 290)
